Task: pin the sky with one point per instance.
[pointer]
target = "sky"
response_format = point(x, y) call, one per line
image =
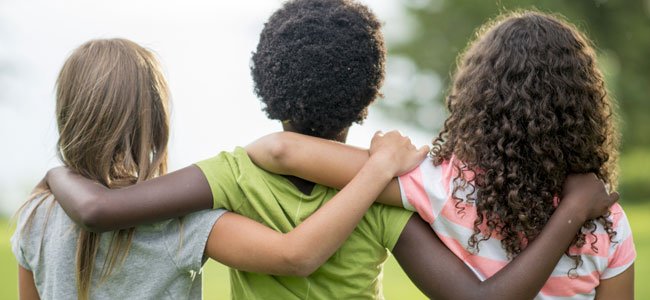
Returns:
point(204, 48)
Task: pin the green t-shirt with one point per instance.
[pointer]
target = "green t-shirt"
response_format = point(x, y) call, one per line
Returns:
point(353, 272)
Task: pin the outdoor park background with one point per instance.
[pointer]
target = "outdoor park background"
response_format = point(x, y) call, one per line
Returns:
point(205, 49)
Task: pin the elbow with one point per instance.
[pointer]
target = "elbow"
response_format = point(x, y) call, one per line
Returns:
point(90, 214)
point(300, 264)
point(279, 149)
point(279, 146)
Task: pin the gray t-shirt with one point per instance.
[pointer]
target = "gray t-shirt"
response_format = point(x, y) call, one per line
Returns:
point(163, 262)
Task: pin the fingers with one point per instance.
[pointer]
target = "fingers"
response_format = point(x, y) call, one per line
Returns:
point(613, 198)
point(394, 139)
point(424, 149)
point(423, 152)
point(392, 136)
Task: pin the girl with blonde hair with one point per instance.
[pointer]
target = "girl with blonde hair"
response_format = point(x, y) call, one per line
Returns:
point(112, 110)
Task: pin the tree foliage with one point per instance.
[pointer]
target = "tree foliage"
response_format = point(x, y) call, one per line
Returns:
point(620, 29)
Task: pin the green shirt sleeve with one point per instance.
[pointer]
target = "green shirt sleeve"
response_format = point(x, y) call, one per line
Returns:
point(389, 223)
point(222, 172)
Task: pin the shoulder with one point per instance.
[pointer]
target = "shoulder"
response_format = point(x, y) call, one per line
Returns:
point(227, 167)
point(620, 224)
point(191, 224)
point(202, 218)
point(618, 216)
point(223, 172)
point(387, 222)
point(233, 158)
point(427, 176)
point(194, 227)
point(222, 161)
point(622, 253)
point(425, 189)
point(40, 221)
point(186, 238)
point(34, 214)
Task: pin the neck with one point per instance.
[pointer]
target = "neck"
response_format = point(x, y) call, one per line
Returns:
point(339, 137)
point(303, 185)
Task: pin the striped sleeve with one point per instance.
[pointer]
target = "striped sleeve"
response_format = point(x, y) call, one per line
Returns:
point(621, 252)
point(423, 190)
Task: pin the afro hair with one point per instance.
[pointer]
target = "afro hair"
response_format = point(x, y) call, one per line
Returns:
point(319, 64)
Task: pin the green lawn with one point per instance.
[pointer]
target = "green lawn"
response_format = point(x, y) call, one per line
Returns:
point(396, 284)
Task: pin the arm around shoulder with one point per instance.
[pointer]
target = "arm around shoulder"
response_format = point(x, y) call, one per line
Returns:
point(233, 235)
point(97, 208)
point(318, 160)
point(250, 246)
point(84, 204)
point(274, 152)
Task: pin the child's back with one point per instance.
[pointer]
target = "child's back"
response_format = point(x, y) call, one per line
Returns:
point(353, 271)
point(428, 190)
point(164, 259)
point(528, 107)
point(113, 121)
point(317, 67)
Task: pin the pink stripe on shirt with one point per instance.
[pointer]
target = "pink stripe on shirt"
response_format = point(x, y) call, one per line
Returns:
point(454, 229)
point(565, 286)
point(625, 254)
point(601, 246)
point(485, 266)
point(463, 215)
point(419, 195)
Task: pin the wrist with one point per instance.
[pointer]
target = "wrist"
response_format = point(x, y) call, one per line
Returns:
point(380, 167)
point(572, 211)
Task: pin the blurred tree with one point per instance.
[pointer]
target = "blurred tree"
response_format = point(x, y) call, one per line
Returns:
point(440, 30)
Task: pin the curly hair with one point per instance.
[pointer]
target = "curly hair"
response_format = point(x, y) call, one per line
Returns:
point(319, 64)
point(528, 106)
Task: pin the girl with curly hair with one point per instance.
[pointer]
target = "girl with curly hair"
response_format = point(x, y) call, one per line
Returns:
point(528, 107)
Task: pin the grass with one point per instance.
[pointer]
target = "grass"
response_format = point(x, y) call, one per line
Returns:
point(635, 170)
point(396, 284)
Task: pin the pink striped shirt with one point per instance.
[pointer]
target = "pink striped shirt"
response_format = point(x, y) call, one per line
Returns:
point(427, 190)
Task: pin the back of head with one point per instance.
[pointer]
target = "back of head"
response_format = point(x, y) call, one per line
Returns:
point(319, 64)
point(112, 113)
point(528, 106)
point(113, 121)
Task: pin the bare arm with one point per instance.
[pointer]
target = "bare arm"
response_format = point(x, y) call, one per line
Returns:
point(323, 161)
point(618, 287)
point(26, 286)
point(431, 266)
point(97, 208)
point(252, 246)
point(302, 250)
point(440, 274)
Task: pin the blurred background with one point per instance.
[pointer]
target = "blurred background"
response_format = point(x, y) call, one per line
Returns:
point(205, 49)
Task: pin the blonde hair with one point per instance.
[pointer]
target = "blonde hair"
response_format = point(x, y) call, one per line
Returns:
point(112, 113)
